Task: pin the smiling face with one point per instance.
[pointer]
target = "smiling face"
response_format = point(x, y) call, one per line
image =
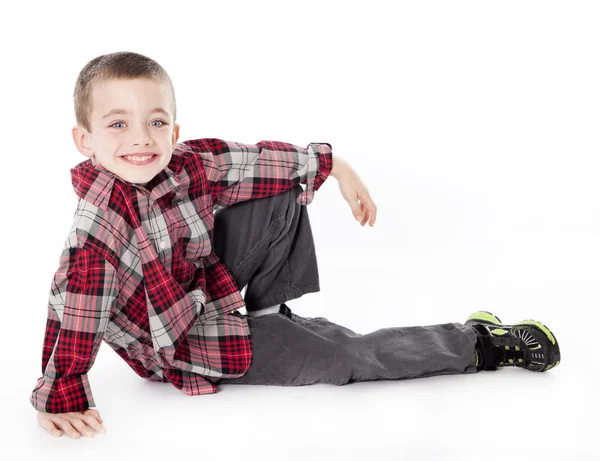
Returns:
point(130, 117)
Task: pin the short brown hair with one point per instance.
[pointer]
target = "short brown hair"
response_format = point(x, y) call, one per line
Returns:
point(118, 65)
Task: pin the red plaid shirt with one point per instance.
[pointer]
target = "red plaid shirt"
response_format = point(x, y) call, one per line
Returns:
point(138, 269)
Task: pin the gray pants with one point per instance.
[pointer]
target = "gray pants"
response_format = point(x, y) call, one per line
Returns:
point(268, 246)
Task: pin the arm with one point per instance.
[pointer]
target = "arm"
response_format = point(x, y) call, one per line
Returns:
point(82, 294)
point(339, 166)
point(355, 192)
point(237, 172)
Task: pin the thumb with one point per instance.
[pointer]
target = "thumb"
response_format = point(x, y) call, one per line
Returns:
point(357, 211)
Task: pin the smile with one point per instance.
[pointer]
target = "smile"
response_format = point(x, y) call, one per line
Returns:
point(139, 160)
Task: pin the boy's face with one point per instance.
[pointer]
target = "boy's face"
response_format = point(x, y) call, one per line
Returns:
point(139, 131)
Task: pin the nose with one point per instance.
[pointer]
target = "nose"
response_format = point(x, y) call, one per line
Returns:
point(140, 135)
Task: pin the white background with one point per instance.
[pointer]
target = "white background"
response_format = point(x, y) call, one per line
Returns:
point(474, 126)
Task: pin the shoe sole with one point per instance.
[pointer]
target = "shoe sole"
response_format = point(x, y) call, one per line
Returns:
point(552, 355)
point(540, 333)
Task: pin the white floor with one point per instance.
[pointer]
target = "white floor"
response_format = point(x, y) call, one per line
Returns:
point(507, 414)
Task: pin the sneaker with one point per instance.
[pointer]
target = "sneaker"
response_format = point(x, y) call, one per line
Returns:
point(528, 344)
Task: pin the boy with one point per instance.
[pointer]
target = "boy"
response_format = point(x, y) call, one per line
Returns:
point(151, 269)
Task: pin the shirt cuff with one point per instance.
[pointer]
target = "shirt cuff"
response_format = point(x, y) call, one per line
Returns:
point(62, 395)
point(320, 163)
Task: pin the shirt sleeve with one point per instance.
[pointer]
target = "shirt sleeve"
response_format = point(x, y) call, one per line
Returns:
point(82, 294)
point(237, 172)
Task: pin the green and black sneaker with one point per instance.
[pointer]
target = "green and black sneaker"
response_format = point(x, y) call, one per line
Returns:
point(528, 344)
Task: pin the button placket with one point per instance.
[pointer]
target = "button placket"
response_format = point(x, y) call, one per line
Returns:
point(165, 191)
point(162, 238)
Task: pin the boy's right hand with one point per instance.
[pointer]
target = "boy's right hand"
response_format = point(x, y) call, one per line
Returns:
point(74, 423)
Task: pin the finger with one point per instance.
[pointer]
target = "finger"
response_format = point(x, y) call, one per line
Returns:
point(370, 208)
point(365, 216)
point(68, 428)
point(364, 213)
point(51, 428)
point(93, 422)
point(365, 220)
point(372, 211)
point(81, 426)
point(358, 208)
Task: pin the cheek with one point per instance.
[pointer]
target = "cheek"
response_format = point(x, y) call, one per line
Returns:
point(112, 141)
point(113, 135)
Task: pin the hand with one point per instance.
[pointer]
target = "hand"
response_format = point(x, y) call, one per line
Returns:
point(355, 192)
point(74, 423)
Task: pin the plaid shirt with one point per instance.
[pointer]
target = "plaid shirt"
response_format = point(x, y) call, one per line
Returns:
point(138, 270)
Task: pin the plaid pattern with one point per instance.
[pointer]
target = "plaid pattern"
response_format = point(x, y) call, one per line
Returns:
point(138, 270)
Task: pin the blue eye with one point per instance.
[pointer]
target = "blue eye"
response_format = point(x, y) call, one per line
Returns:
point(161, 121)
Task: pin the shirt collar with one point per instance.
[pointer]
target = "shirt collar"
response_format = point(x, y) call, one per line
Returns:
point(94, 183)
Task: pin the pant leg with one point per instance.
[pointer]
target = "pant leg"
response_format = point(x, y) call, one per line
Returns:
point(300, 351)
point(267, 244)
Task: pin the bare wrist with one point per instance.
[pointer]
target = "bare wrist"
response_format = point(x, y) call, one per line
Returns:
point(338, 166)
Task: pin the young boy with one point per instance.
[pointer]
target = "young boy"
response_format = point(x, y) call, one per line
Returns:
point(166, 234)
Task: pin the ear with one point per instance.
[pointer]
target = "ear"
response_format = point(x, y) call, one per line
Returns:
point(175, 135)
point(81, 140)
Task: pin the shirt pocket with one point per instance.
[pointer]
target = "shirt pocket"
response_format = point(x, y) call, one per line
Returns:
point(192, 221)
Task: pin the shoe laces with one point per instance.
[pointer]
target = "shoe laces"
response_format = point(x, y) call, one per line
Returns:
point(509, 355)
point(514, 354)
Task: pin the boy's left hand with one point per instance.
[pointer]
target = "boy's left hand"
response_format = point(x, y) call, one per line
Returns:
point(356, 194)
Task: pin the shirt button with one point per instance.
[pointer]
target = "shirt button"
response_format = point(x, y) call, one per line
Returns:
point(163, 244)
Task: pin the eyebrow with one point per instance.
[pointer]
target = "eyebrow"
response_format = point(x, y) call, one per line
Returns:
point(123, 111)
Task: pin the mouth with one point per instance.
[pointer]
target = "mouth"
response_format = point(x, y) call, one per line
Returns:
point(139, 160)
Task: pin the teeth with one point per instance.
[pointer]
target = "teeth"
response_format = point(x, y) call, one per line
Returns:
point(136, 158)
